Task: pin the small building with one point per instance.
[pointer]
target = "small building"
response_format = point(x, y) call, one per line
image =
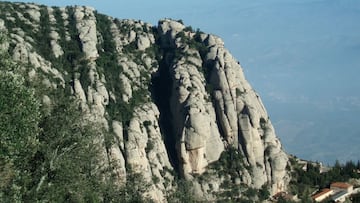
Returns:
point(341, 186)
point(320, 196)
point(340, 196)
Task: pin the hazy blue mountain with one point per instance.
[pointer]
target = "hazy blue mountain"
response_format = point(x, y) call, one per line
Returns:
point(303, 57)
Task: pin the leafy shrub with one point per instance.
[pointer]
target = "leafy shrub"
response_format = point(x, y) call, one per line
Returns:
point(19, 120)
point(230, 162)
point(183, 193)
point(239, 92)
point(130, 48)
point(188, 29)
point(147, 123)
point(149, 146)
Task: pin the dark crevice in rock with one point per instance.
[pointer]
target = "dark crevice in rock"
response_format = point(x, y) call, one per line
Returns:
point(161, 93)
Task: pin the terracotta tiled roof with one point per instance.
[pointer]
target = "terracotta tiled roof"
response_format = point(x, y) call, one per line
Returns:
point(323, 192)
point(340, 185)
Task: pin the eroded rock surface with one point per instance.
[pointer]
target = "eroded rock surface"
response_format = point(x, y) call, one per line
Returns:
point(111, 66)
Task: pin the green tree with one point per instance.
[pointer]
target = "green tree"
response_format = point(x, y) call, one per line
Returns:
point(19, 119)
point(264, 193)
point(66, 167)
point(49, 157)
point(356, 198)
point(184, 192)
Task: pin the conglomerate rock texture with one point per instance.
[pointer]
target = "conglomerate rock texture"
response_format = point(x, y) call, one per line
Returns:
point(171, 100)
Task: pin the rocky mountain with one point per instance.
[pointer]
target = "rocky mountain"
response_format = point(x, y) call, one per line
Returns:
point(169, 101)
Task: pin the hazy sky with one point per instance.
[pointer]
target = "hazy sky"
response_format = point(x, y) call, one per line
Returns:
point(302, 56)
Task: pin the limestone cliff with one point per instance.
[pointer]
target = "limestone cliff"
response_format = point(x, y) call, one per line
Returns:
point(171, 100)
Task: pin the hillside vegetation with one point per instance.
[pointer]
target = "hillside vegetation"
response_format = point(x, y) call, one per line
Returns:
point(99, 109)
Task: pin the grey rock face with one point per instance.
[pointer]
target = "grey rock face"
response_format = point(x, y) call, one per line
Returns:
point(199, 141)
point(86, 25)
point(210, 107)
point(241, 119)
point(245, 120)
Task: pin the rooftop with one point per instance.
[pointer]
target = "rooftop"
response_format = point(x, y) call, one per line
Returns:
point(324, 191)
point(339, 195)
point(340, 185)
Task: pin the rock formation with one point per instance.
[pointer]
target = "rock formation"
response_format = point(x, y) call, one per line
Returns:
point(170, 99)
